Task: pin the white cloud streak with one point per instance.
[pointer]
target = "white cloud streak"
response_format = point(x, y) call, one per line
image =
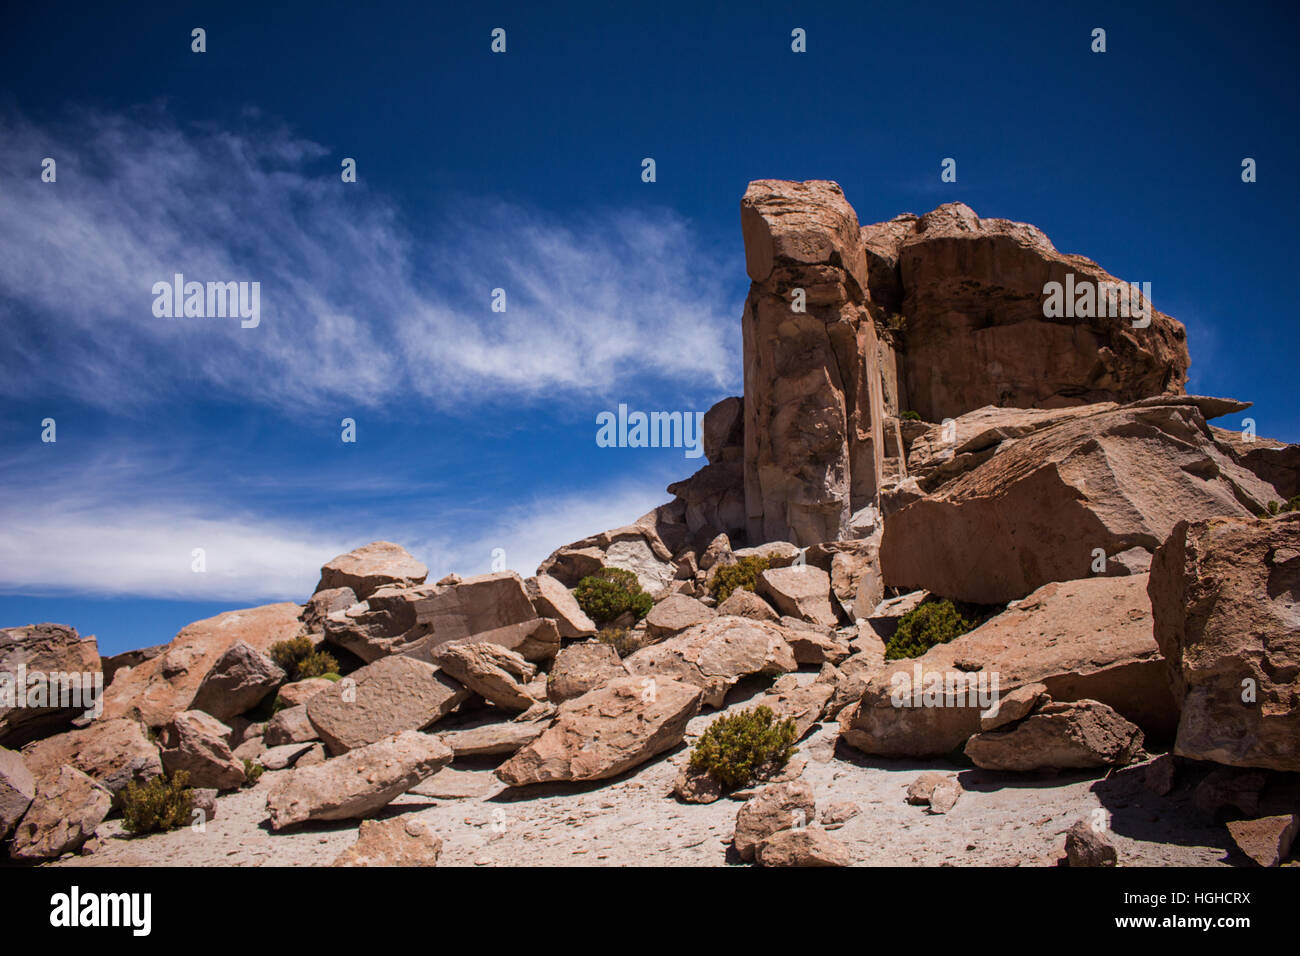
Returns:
point(356, 304)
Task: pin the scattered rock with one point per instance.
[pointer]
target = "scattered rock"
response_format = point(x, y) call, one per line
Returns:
point(922, 788)
point(358, 783)
point(835, 815)
point(401, 841)
point(67, 808)
point(1159, 774)
point(196, 743)
point(1084, 846)
point(237, 682)
point(1266, 840)
point(802, 847)
point(391, 695)
point(606, 731)
point(776, 807)
point(1059, 736)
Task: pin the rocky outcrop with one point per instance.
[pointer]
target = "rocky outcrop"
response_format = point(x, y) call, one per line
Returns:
point(715, 655)
point(358, 783)
point(156, 689)
point(713, 499)
point(606, 731)
point(1049, 506)
point(1088, 639)
point(391, 695)
point(970, 293)
point(30, 654)
point(371, 567)
point(1224, 595)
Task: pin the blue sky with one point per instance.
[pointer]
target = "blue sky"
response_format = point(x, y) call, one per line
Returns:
point(476, 430)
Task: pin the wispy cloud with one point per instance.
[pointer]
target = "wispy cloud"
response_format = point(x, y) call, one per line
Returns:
point(357, 303)
point(93, 531)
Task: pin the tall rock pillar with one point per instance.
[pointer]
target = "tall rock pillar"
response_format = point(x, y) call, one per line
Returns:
point(813, 398)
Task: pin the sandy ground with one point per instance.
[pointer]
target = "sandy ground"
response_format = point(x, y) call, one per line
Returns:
point(632, 820)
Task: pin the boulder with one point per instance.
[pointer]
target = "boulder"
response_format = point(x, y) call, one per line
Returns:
point(635, 547)
point(717, 554)
point(1088, 639)
point(815, 644)
point(156, 689)
point(802, 847)
point(743, 603)
point(776, 807)
point(606, 731)
point(197, 743)
point(17, 789)
point(285, 755)
point(391, 695)
point(27, 655)
point(1014, 706)
point(1084, 846)
point(387, 622)
point(552, 599)
point(674, 614)
point(715, 655)
point(67, 808)
point(357, 784)
point(113, 752)
point(237, 682)
point(1266, 840)
point(1045, 508)
point(111, 665)
point(1059, 736)
point(401, 841)
point(1224, 595)
point(488, 607)
point(290, 726)
point(371, 567)
point(804, 703)
point(579, 668)
point(920, 790)
point(301, 691)
point(493, 739)
point(801, 591)
point(488, 669)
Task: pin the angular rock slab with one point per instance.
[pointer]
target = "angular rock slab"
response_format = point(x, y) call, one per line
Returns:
point(113, 752)
point(1266, 840)
point(371, 567)
point(714, 656)
point(197, 743)
point(488, 669)
point(802, 847)
point(552, 599)
point(1224, 594)
point(801, 591)
point(64, 814)
point(579, 668)
point(17, 789)
point(43, 649)
point(393, 694)
point(1067, 736)
point(606, 731)
point(358, 783)
point(237, 682)
point(776, 807)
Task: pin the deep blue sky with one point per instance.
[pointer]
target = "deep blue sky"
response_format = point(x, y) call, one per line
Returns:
point(523, 171)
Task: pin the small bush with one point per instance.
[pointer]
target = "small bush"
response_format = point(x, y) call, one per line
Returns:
point(620, 638)
point(920, 629)
point(736, 749)
point(741, 575)
point(1292, 504)
point(164, 803)
point(910, 416)
point(896, 322)
point(610, 593)
point(299, 660)
point(252, 772)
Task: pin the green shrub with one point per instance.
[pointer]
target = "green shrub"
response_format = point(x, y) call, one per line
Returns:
point(896, 321)
point(610, 593)
point(620, 638)
point(910, 416)
point(164, 803)
point(741, 575)
point(920, 629)
point(252, 772)
point(1292, 504)
point(736, 749)
point(299, 660)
